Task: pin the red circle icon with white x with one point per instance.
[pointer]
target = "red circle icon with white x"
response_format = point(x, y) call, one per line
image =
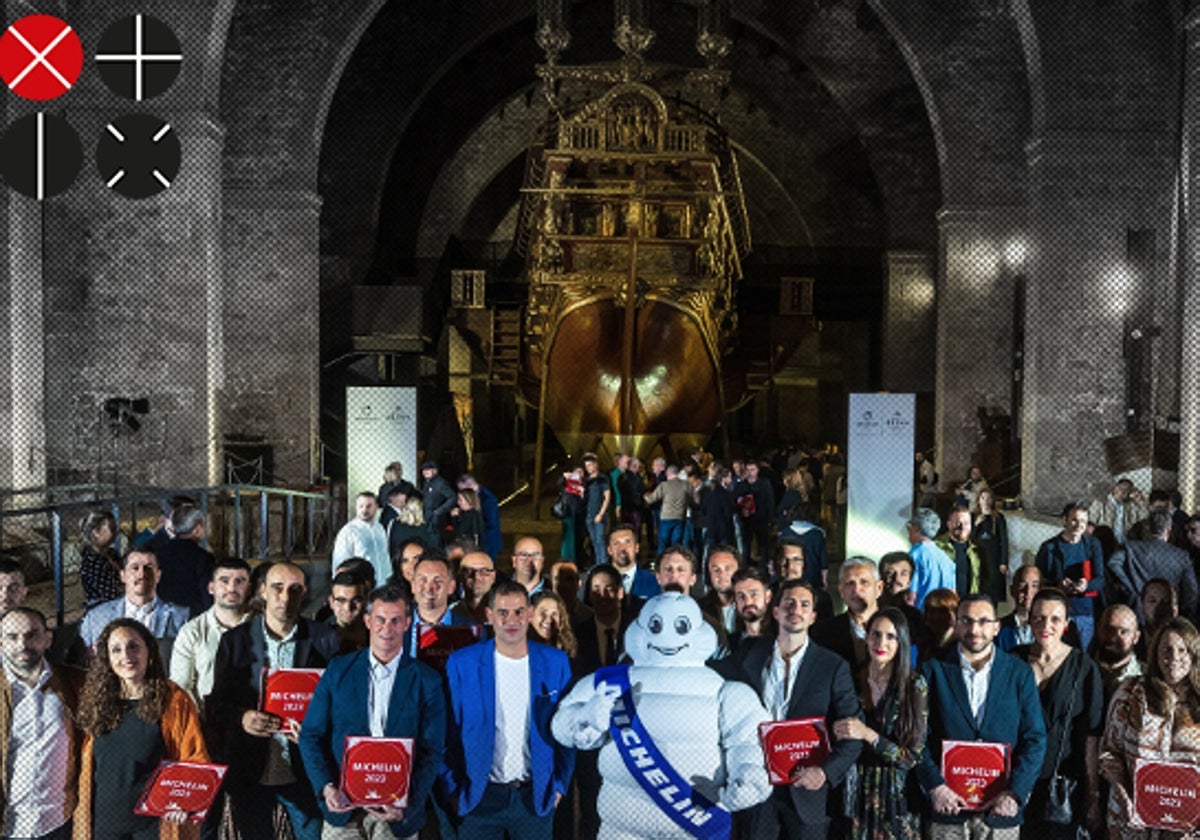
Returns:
point(40, 57)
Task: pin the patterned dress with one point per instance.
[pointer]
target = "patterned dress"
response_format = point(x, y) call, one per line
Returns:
point(881, 808)
point(1134, 732)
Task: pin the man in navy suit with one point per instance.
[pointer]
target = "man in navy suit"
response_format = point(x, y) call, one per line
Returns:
point(384, 694)
point(795, 678)
point(504, 770)
point(981, 693)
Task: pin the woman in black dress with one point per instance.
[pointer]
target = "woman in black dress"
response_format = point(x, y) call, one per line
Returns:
point(896, 702)
point(133, 717)
point(990, 532)
point(1072, 697)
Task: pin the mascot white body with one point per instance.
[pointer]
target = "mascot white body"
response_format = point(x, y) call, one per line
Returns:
point(705, 728)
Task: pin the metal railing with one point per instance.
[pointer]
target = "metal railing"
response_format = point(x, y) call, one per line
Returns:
point(230, 530)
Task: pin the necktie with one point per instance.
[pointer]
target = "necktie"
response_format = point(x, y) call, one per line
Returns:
point(610, 646)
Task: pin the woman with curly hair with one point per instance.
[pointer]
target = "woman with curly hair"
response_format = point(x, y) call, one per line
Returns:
point(99, 566)
point(133, 717)
point(551, 624)
point(1155, 717)
point(896, 701)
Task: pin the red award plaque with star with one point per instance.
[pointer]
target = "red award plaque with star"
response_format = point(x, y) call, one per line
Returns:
point(286, 692)
point(788, 744)
point(1167, 795)
point(975, 770)
point(181, 786)
point(375, 771)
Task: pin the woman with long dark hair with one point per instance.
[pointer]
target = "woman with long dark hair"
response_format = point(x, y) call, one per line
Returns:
point(133, 717)
point(1155, 717)
point(99, 566)
point(989, 531)
point(550, 624)
point(896, 702)
point(1072, 696)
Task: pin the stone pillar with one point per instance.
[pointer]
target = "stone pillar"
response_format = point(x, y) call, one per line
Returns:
point(981, 249)
point(1189, 310)
point(129, 290)
point(1089, 190)
point(271, 244)
point(22, 345)
point(910, 321)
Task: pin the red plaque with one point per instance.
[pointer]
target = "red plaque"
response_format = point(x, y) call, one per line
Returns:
point(975, 770)
point(788, 744)
point(1167, 795)
point(181, 786)
point(438, 641)
point(287, 692)
point(375, 771)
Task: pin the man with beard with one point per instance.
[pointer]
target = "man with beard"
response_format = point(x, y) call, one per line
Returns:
point(38, 739)
point(896, 568)
point(195, 648)
point(623, 553)
point(980, 693)
point(437, 498)
point(363, 537)
point(846, 634)
point(718, 602)
point(1116, 640)
point(971, 572)
point(752, 598)
point(347, 593)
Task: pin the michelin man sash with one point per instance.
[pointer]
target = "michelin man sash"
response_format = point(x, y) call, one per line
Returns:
point(671, 792)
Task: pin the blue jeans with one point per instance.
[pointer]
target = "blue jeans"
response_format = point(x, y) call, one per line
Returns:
point(504, 809)
point(670, 532)
point(254, 808)
point(599, 543)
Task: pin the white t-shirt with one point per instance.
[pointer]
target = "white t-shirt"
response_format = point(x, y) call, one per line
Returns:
point(510, 752)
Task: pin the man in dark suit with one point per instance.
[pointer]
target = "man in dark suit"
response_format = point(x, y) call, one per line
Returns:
point(185, 566)
point(981, 693)
point(846, 634)
point(384, 694)
point(1140, 561)
point(260, 748)
point(797, 679)
point(504, 770)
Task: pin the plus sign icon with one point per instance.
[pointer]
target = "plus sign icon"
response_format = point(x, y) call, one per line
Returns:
point(40, 57)
point(139, 57)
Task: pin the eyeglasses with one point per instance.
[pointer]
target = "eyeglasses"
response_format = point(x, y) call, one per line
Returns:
point(479, 572)
point(966, 621)
point(528, 555)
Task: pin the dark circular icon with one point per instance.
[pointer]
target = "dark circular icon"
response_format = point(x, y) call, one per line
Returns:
point(139, 57)
point(138, 155)
point(40, 155)
point(40, 57)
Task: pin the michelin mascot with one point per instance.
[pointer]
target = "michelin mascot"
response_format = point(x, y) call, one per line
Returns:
point(678, 744)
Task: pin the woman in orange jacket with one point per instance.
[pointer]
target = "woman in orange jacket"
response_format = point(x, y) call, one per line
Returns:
point(133, 717)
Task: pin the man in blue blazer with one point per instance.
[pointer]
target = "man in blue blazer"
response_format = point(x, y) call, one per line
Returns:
point(382, 693)
point(981, 693)
point(504, 770)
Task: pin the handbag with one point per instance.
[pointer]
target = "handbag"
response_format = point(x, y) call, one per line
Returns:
point(1058, 809)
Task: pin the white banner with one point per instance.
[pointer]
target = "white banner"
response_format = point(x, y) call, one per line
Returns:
point(381, 427)
point(879, 473)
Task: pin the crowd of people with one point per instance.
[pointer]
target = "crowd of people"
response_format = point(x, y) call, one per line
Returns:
point(429, 632)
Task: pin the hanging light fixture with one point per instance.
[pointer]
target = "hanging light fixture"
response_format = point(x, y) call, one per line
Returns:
point(553, 28)
point(631, 27)
point(712, 26)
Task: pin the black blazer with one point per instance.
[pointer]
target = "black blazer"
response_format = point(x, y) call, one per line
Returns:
point(186, 570)
point(237, 681)
point(823, 688)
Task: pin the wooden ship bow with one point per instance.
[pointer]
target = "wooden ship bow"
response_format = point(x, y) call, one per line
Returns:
point(633, 227)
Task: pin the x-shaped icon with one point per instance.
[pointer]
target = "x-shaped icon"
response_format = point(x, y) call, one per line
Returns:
point(57, 57)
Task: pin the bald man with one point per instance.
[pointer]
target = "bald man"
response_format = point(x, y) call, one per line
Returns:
point(527, 562)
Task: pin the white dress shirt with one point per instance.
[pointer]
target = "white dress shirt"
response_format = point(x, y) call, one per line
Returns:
point(39, 759)
point(779, 678)
point(383, 676)
point(977, 682)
